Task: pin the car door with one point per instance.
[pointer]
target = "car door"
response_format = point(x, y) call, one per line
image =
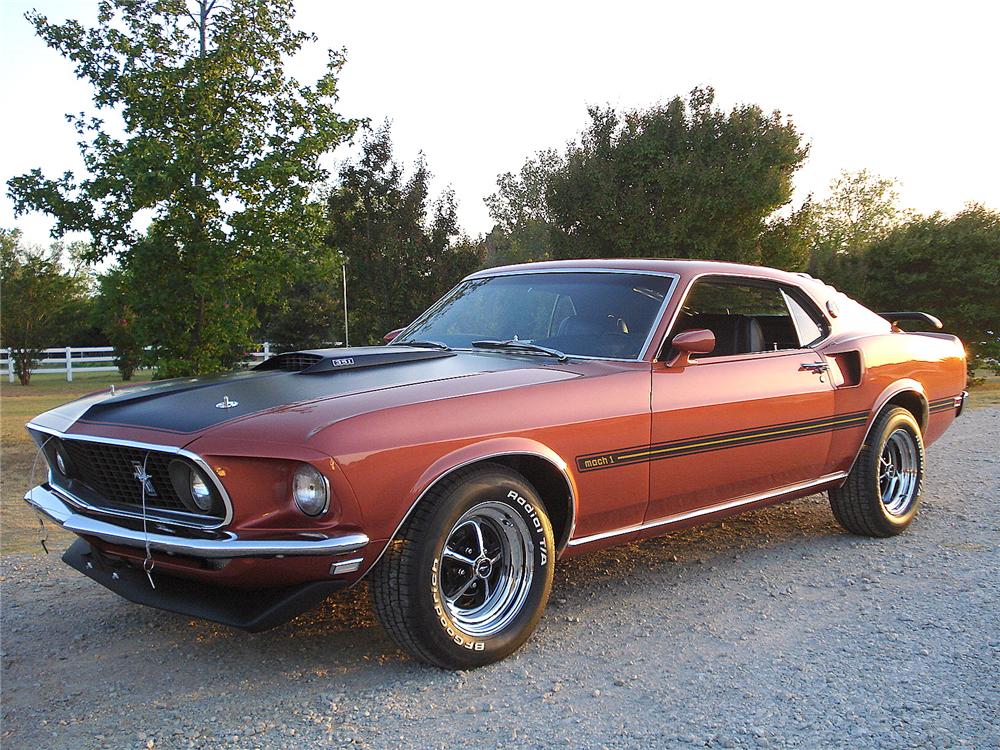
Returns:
point(753, 415)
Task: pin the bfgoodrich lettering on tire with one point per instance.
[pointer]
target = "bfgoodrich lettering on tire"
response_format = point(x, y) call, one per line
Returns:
point(882, 492)
point(468, 576)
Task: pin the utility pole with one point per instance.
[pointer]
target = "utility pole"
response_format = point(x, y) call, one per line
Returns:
point(343, 271)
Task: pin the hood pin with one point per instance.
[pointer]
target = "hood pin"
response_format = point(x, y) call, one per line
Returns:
point(226, 403)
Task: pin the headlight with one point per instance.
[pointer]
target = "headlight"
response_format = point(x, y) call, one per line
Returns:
point(310, 490)
point(63, 465)
point(58, 458)
point(191, 487)
point(200, 492)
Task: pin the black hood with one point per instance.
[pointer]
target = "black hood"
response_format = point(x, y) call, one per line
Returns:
point(191, 405)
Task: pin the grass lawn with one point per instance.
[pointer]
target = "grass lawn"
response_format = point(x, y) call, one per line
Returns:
point(19, 526)
point(986, 393)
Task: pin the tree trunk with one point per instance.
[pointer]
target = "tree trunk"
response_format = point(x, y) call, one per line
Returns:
point(22, 363)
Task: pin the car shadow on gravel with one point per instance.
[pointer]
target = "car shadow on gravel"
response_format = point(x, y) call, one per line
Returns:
point(342, 635)
point(738, 542)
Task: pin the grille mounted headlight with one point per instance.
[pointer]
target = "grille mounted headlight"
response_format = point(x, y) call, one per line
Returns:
point(59, 458)
point(310, 490)
point(63, 465)
point(201, 493)
point(191, 486)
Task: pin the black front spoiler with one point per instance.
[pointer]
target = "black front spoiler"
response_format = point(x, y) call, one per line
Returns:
point(255, 610)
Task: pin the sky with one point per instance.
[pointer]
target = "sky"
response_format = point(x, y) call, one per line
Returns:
point(907, 90)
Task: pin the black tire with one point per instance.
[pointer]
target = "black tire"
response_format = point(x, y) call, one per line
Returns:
point(866, 504)
point(491, 511)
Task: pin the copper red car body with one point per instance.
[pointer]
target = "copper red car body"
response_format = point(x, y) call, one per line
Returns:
point(619, 450)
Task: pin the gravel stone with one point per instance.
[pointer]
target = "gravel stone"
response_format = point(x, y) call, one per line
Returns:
point(774, 630)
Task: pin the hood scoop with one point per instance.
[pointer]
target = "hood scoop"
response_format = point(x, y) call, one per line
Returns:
point(290, 362)
point(318, 361)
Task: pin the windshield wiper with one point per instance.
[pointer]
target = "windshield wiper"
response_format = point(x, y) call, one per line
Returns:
point(524, 346)
point(424, 344)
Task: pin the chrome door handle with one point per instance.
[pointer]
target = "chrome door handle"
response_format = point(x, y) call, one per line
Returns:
point(817, 367)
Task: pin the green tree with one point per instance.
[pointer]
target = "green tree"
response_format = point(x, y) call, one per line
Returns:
point(311, 313)
point(684, 179)
point(861, 209)
point(401, 246)
point(40, 301)
point(114, 313)
point(219, 145)
point(947, 267)
point(524, 227)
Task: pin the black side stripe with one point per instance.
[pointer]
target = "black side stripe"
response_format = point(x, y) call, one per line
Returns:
point(723, 440)
point(944, 404)
point(719, 441)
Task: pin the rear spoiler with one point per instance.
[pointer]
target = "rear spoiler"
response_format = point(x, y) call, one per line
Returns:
point(895, 317)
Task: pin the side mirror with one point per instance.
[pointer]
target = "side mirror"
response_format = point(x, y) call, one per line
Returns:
point(392, 334)
point(686, 343)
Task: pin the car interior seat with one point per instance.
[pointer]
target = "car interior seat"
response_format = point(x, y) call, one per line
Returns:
point(591, 325)
point(734, 334)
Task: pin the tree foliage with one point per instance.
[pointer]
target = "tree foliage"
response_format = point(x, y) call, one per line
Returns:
point(217, 143)
point(947, 267)
point(115, 314)
point(400, 244)
point(310, 312)
point(861, 209)
point(524, 226)
point(41, 300)
point(684, 179)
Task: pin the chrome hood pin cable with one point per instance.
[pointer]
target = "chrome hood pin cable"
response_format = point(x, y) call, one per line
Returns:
point(147, 564)
point(43, 532)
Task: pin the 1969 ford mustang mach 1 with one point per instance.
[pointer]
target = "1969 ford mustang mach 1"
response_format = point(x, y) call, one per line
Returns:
point(534, 412)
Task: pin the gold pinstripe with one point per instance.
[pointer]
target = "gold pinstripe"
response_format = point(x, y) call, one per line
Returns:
point(610, 459)
point(740, 438)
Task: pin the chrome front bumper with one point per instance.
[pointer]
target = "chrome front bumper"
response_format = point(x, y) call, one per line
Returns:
point(49, 504)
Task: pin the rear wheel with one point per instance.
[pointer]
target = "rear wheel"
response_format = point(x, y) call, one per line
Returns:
point(882, 493)
point(467, 578)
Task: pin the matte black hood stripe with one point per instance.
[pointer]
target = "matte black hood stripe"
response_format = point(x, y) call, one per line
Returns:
point(190, 406)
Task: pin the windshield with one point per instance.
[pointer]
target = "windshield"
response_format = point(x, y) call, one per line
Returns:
point(595, 314)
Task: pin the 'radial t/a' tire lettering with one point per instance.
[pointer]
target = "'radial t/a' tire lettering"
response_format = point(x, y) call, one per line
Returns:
point(467, 578)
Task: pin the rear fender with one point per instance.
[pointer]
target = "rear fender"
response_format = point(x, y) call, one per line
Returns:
point(900, 387)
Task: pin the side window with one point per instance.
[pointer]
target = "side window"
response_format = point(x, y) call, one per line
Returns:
point(747, 317)
point(807, 329)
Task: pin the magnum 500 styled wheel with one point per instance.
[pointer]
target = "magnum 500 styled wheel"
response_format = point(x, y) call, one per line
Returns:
point(882, 492)
point(467, 578)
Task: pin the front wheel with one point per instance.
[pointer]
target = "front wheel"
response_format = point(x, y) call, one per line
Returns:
point(882, 492)
point(466, 580)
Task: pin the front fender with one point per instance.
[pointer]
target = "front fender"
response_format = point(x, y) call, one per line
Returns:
point(474, 453)
point(482, 451)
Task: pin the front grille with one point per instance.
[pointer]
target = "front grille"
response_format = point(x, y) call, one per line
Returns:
point(110, 471)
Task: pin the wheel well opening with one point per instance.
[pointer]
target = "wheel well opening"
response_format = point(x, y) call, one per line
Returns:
point(552, 487)
point(914, 403)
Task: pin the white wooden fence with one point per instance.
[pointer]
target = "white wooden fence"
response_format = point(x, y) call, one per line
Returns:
point(85, 358)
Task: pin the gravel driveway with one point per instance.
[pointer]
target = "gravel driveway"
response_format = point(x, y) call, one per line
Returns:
point(773, 629)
